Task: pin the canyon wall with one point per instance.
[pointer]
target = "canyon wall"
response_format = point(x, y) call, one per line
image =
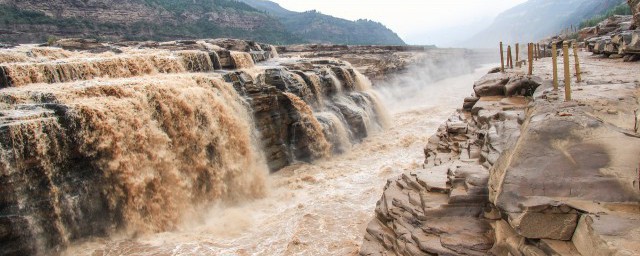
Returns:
point(131, 138)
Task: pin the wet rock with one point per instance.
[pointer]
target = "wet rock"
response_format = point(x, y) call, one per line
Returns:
point(79, 44)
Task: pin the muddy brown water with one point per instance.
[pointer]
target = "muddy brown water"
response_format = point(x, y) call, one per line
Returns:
point(319, 208)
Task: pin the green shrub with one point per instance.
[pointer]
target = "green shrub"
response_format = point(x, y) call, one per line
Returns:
point(621, 9)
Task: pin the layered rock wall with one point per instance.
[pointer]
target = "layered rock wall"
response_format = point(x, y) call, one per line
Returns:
point(615, 37)
point(533, 175)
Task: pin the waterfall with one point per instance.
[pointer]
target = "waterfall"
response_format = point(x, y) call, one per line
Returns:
point(274, 52)
point(196, 61)
point(313, 80)
point(363, 84)
point(316, 142)
point(132, 142)
point(335, 130)
point(22, 54)
point(150, 150)
point(335, 84)
point(241, 59)
point(85, 69)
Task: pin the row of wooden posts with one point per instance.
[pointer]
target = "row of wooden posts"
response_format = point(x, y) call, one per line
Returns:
point(534, 53)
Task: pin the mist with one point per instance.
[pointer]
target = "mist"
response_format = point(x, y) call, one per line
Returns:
point(419, 85)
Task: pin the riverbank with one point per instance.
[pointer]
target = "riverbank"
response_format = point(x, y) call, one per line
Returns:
point(524, 174)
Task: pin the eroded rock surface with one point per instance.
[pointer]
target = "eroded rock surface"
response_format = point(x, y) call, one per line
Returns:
point(615, 37)
point(524, 176)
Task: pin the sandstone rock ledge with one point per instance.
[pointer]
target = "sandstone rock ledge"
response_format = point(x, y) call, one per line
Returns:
point(518, 172)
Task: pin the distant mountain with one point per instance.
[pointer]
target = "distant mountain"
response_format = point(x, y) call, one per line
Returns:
point(26, 21)
point(536, 19)
point(316, 27)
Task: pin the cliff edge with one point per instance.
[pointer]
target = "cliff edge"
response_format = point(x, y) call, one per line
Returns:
point(519, 171)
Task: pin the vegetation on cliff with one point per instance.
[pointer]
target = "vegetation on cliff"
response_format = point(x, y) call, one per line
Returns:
point(316, 27)
point(35, 21)
point(537, 19)
point(621, 9)
point(29, 22)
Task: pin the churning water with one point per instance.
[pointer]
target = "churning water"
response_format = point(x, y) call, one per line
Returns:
point(321, 208)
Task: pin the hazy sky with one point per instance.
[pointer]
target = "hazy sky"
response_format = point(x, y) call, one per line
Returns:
point(441, 22)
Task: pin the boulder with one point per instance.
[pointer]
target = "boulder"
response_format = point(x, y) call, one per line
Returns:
point(491, 85)
point(607, 234)
point(469, 102)
point(522, 85)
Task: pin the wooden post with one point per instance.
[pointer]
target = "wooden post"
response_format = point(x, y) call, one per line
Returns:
point(509, 57)
point(577, 64)
point(501, 58)
point(539, 51)
point(567, 76)
point(554, 57)
point(517, 53)
point(635, 127)
point(530, 52)
point(507, 65)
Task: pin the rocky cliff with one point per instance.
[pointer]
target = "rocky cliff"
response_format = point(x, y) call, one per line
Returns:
point(36, 21)
point(519, 171)
point(131, 137)
point(320, 28)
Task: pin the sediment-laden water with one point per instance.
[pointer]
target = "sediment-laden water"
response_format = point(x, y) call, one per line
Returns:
point(141, 142)
point(319, 208)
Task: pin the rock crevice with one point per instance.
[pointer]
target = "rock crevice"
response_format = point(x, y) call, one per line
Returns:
point(520, 173)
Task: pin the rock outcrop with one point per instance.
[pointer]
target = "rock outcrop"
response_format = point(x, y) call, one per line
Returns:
point(635, 9)
point(515, 175)
point(532, 20)
point(380, 62)
point(614, 38)
point(131, 137)
point(317, 27)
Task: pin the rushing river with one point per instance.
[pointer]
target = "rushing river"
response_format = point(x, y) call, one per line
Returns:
point(321, 208)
